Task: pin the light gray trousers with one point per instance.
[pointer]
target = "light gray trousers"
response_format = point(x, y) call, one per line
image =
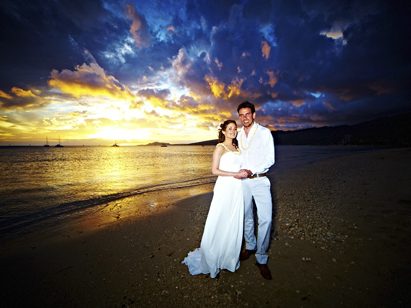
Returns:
point(260, 190)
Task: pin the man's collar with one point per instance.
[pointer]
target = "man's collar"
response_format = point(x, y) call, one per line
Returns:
point(253, 126)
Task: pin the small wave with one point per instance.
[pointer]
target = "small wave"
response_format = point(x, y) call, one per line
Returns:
point(14, 223)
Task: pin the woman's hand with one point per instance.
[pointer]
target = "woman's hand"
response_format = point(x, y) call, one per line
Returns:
point(242, 174)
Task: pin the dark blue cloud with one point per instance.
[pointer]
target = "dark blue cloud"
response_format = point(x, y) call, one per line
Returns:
point(37, 36)
point(333, 61)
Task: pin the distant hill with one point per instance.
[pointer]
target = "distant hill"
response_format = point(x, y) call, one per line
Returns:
point(388, 131)
point(158, 144)
point(207, 142)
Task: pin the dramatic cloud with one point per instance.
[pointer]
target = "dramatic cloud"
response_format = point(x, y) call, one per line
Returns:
point(138, 29)
point(88, 80)
point(99, 69)
point(5, 95)
point(220, 90)
point(265, 49)
point(19, 98)
point(272, 78)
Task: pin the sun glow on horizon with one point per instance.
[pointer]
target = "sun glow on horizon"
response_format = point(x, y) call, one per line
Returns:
point(117, 133)
point(87, 104)
point(96, 120)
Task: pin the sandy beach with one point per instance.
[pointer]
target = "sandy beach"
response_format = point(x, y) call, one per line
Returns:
point(341, 240)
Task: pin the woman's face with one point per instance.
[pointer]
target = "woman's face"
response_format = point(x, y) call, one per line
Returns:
point(231, 131)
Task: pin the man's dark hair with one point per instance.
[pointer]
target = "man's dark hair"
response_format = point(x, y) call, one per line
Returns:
point(246, 104)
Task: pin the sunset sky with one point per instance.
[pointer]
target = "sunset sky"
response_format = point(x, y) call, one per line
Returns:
point(92, 72)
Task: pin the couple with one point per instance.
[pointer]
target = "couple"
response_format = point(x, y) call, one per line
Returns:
point(241, 166)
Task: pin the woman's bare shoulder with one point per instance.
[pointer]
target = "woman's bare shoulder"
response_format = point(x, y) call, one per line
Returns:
point(220, 148)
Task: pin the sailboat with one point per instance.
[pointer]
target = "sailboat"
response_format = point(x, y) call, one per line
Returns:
point(59, 145)
point(47, 143)
point(115, 144)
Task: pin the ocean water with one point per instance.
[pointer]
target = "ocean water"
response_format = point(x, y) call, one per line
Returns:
point(38, 183)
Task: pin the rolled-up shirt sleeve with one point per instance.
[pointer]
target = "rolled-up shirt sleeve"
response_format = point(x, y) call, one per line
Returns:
point(269, 152)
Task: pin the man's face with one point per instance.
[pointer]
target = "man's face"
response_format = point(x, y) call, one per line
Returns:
point(246, 117)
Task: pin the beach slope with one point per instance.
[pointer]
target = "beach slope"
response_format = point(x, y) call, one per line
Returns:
point(341, 240)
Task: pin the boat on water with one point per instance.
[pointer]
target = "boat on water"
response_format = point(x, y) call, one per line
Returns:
point(115, 145)
point(47, 143)
point(59, 145)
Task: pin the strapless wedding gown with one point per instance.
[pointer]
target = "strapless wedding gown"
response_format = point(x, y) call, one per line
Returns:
point(223, 232)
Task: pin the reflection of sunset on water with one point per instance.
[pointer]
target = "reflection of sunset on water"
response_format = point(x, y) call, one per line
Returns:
point(45, 183)
point(125, 210)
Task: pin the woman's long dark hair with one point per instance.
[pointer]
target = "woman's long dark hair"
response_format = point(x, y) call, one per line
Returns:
point(223, 127)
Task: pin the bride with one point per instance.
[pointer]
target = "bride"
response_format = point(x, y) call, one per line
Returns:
point(223, 232)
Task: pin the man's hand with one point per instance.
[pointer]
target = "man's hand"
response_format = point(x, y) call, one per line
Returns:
point(243, 174)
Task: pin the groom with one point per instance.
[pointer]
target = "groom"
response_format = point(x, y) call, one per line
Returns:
point(257, 151)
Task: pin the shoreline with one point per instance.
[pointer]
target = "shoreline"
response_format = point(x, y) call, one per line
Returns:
point(110, 209)
point(341, 239)
point(87, 221)
point(146, 195)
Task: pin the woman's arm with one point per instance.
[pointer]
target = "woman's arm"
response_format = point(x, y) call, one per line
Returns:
point(218, 152)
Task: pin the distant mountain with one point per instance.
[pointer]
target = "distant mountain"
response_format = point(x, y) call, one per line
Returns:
point(388, 131)
point(160, 144)
point(207, 142)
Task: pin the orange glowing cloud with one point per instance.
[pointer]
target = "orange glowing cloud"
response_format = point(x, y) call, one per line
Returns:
point(89, 80)
point(186, 108)
point(334, 34)
point(234, 89)
point(265, 49)
point(220, 90)
point(22, 93)
point(156, 101)
point(297, 102)
point(272, 78)
point(86, 103)
point(138, 28)
point(216, 87)
point(274, 95)
point(5, 95)
point(337, 30)
point(21, 98)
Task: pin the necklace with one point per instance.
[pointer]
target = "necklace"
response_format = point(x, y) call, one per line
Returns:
point(228, 149)
point(243, 138)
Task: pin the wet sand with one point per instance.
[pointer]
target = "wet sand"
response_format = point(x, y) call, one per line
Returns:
point(341, 240)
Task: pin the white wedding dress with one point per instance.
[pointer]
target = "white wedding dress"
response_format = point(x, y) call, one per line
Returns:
point(223, 232)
